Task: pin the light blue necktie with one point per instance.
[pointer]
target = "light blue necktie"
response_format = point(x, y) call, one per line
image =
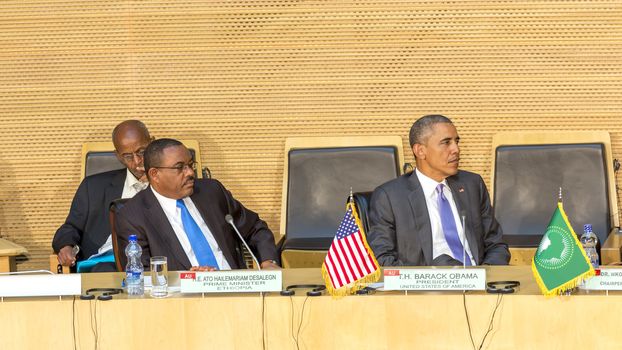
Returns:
point(449, 227)
point(197, 239)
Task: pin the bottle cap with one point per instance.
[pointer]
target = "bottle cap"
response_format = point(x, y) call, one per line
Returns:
point(133, 238)
point(587, 228)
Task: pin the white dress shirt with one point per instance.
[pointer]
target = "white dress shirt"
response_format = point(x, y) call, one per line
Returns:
point(173, 214)
point(132, 186)
point(439, 243)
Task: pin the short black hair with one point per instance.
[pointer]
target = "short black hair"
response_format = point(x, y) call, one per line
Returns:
point(153, 153)
point(418, 132)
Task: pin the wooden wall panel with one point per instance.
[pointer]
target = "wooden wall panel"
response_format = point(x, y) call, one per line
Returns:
point(240, 76)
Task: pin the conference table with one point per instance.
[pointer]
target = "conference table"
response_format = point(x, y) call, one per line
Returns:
point(382, 320)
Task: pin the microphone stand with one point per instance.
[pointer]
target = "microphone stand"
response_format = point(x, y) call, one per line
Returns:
point(229, 220)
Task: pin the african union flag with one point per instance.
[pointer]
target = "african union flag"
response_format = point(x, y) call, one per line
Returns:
point(560, 263)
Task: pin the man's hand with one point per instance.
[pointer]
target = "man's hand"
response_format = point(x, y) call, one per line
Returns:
point(203, 268)
point(66, 257)
point(270, 265)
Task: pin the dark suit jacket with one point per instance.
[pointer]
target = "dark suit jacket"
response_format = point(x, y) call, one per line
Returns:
point(144, 217)
point(87, 223)
point(400, 232)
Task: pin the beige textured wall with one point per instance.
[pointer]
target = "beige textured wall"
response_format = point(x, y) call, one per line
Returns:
point(240, 76)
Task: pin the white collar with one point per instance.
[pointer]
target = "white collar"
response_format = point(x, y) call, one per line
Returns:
point(168, 204)
point(130, 179)
point(428, 184)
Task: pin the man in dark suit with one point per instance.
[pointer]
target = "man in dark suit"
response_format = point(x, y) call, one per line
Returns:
point(183, 218)
point(87, 225)
point(416, 219)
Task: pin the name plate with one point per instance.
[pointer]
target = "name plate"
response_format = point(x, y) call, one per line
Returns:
point(435, 279)
point(231, 281)
point(605, 279)
point(40, 285)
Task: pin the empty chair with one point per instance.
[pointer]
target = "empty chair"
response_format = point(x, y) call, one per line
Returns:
point(527, 171)
point(319, 173)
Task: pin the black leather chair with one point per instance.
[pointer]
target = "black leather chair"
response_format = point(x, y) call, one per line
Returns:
point(529, 169)
point(361, 202)
point(115, 206)
point(319, 173)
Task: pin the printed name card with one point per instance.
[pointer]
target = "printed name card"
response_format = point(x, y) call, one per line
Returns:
point(435, 279)
point(40, 285)
point(231, 281)
point(605, 279)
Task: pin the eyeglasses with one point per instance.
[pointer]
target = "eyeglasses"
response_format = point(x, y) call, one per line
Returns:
point(180, 167)
point(129, 157)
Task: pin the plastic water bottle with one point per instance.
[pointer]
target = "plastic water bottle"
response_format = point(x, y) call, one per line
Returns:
point(134, 270)
point(589, 242)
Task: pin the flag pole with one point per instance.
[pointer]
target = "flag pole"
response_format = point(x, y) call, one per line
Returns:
point(559, 198)
point(351, 198)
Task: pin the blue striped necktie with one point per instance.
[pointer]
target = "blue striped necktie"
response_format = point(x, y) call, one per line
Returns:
point(197, 239)
point(449, 226)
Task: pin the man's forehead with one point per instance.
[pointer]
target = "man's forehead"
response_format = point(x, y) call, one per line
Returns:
point(439, 131)
point(132, 140)
point(176, 153)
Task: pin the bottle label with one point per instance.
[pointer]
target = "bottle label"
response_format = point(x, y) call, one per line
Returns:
point(133, 276)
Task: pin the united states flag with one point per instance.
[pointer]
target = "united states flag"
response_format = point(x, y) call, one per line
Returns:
point(349, 261)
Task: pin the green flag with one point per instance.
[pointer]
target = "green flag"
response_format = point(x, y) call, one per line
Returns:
point(560, 263)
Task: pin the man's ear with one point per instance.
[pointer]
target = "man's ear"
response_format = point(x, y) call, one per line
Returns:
point(419, 151)
point(153, 175)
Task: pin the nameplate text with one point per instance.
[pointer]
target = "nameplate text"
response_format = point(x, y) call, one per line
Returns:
point(435, 279)
point(605, 279)
point(231, 281)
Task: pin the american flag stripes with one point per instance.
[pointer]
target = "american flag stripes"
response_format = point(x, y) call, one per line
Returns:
point(349, 261)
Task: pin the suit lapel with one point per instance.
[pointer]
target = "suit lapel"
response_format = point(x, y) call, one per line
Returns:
point(210, 215)
point(114, 190)
point(423, 228)
point(460, 194)
point(155, 215)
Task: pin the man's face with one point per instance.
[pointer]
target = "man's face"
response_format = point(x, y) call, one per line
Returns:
point(130, 148)
point(174, 176)
point(438, 156)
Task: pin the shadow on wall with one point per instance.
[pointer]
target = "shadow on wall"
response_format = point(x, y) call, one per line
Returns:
point(12, 227)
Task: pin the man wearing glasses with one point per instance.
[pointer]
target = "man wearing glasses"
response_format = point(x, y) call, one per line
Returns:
point(183, 218)
point(85, 235)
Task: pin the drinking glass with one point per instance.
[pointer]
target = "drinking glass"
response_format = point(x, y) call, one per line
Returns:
point(159, 276)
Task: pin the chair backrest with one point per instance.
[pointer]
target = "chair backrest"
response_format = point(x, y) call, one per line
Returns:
point(114, 208)
point(361, 202)
point(319, 172)
point(528, 170)
point(99, 157)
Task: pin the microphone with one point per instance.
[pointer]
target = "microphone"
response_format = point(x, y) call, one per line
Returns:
point(229, 220)
point(464, 255)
